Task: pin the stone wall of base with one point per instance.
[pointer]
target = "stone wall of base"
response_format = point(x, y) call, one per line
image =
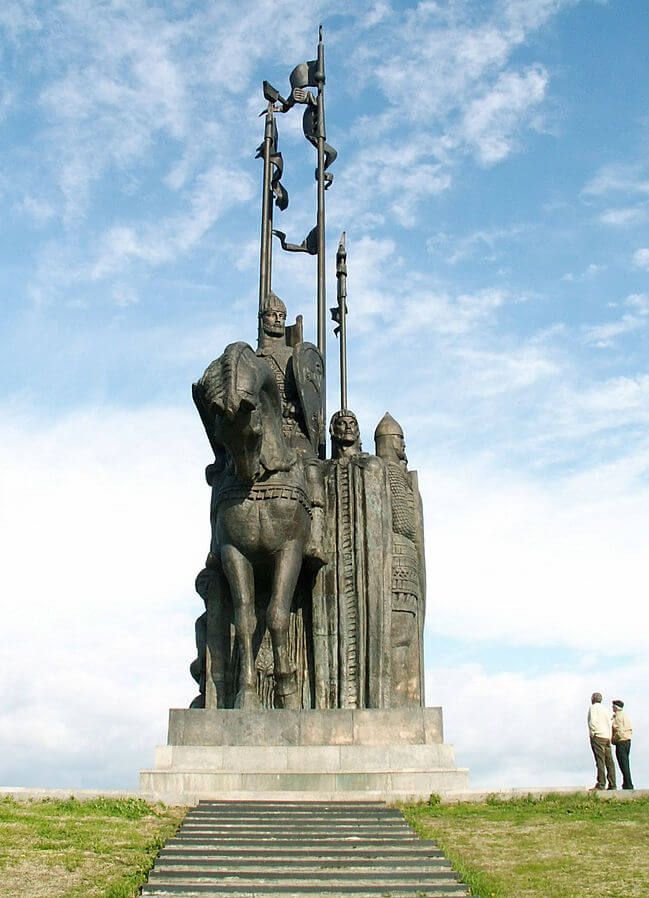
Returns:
point(399, 726)
point(316, 755)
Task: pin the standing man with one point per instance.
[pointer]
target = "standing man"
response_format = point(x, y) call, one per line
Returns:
point(622, 732)
point(599, 728)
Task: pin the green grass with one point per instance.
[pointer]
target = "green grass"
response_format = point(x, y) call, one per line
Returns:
point(559, 846)
point(68, 849)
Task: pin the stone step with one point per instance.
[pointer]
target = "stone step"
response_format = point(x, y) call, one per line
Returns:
point(339, 804)
point(300, 863)
point(301, 813)
point(288, 841)
point(360, 857)
point(306, 826)
point(290, 858)
point(299, 883)
point(361, 868)
point(355, 891)
point(304, 758)
point(288, 877)
point(340, 853)
point(295, 819)
point(185, 797)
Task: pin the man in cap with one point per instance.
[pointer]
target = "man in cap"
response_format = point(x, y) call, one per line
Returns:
point(622, 732)
point(599, 729)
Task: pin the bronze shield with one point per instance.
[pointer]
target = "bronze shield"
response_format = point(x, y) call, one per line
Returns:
point(309, 370)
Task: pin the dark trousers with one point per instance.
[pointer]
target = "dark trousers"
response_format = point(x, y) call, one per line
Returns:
point(622, 751)
point(604, 761)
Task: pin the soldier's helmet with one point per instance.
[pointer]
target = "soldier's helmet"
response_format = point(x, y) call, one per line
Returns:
point(272, 302)
point(388, 427)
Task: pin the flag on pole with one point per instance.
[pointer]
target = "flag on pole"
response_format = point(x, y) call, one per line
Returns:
point(279, 191)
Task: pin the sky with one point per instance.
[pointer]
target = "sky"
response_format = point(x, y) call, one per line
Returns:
point(493, 183)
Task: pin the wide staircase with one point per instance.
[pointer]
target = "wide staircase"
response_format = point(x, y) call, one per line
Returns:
point(262, 848)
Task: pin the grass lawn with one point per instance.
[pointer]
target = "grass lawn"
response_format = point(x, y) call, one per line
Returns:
point(69, 849)
point(555, 847)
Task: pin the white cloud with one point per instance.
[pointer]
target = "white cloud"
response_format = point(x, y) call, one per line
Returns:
point(524, 564)
point(588, 272)
point(603, 335)
point(486, 242)
point(641, 258)
point(213, 195)
point(623, 217)
point(639, 302)
point(491, 120)
point(618, 178)
point(104, 524)
point(41, 211)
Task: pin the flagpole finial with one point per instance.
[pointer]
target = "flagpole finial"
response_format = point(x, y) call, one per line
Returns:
point(320, 33)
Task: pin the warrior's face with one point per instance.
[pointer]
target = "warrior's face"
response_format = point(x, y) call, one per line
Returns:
point(391, 447)
point(345, 430)
point(274, 322)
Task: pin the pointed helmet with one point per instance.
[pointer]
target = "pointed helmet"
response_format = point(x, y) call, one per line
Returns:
point(272, 302)
point(388, 427)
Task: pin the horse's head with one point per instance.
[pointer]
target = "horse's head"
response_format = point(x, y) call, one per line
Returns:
point(239, 404)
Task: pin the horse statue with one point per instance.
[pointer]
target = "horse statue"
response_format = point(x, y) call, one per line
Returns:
point(260, 510)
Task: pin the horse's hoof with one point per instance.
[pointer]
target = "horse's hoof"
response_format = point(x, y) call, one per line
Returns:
point(247, 700)
point(287, 694)
point(290, 702)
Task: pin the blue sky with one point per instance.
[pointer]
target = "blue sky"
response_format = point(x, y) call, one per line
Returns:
point(493, 181)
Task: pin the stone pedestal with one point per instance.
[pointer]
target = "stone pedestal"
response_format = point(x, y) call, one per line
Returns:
point(315, 755)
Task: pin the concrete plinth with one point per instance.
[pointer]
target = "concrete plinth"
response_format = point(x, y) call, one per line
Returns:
point(317, 755)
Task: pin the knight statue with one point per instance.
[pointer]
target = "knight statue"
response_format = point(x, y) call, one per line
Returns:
point(408, 571)
point(297, 369)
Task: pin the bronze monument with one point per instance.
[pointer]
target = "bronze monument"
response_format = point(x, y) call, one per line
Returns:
point(310, 649)
point(314, 583)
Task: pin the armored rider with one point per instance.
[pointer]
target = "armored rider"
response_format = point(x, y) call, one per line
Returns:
point(279, 356)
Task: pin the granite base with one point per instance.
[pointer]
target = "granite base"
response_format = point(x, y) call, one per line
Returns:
point(317, 755)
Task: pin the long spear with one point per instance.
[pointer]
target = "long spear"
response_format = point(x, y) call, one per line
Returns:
point(339, 315)
point(322, 302)
point(265, 254)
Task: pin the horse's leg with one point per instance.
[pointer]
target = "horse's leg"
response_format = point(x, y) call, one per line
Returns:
point(288, 563)
point(240, 576)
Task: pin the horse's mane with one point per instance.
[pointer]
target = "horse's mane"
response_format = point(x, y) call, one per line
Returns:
point(238, 378)
point(217, 387)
